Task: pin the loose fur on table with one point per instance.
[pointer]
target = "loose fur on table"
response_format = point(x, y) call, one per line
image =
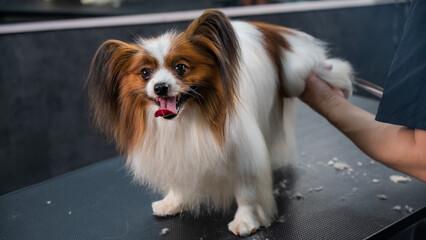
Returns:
point(205, 115)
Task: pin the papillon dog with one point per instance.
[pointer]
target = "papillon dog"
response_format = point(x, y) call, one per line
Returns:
point(204, 116)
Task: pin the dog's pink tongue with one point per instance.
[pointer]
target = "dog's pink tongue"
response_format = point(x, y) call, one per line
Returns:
point(167, 107)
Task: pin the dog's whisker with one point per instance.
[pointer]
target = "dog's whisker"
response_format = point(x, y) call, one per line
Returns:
point(196, 95)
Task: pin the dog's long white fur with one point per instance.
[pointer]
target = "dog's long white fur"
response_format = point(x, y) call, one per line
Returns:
point(257, 139)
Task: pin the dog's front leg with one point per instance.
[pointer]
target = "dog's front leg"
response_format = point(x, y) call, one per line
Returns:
point(250, 214)
point(170, 205)
point(253, 185)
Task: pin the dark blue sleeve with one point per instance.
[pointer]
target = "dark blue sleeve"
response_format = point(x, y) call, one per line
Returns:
point(404, 96)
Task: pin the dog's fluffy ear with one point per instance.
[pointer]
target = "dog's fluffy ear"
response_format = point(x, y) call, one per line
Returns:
point(108, 67)
point(213, 33)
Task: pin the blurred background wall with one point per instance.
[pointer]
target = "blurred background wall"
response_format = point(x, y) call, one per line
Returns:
point(45, 128)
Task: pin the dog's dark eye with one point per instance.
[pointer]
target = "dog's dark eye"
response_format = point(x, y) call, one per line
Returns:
point(146, 73)
point(181, 69)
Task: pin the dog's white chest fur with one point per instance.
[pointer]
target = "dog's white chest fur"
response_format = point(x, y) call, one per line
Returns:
point(182, 155)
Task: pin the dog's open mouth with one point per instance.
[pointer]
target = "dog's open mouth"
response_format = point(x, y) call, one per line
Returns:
point(170, 106)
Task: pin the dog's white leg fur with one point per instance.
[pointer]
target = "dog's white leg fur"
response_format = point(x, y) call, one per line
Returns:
point(253, 186)
point(282, 141)
point(170, 205)
point(251, 213)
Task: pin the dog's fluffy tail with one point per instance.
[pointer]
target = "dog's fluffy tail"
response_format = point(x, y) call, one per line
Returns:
point(310, 55)
point(337, 73)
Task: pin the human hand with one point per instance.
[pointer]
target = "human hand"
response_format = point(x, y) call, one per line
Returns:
point(319, 95)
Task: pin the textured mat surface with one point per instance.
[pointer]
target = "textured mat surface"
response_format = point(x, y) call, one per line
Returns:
point(100, 202)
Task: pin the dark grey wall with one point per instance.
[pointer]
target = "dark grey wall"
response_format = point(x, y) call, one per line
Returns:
point(44, 125)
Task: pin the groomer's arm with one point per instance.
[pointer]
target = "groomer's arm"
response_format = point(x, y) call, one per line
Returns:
point(398, 147)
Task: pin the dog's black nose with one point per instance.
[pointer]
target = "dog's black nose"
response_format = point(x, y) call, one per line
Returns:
point(161, 89)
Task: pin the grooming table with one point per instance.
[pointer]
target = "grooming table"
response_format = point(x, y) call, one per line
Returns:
point(315, 200)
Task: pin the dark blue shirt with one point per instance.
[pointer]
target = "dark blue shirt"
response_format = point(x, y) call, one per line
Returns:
point(404, 96)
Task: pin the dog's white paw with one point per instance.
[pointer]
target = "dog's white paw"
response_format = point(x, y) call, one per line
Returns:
point(244, 224)
point(166, 207)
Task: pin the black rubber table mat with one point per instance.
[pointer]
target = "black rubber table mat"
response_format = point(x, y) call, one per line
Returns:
point(315, 200)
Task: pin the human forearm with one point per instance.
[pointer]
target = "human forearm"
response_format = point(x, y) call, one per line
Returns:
point(398, 147)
